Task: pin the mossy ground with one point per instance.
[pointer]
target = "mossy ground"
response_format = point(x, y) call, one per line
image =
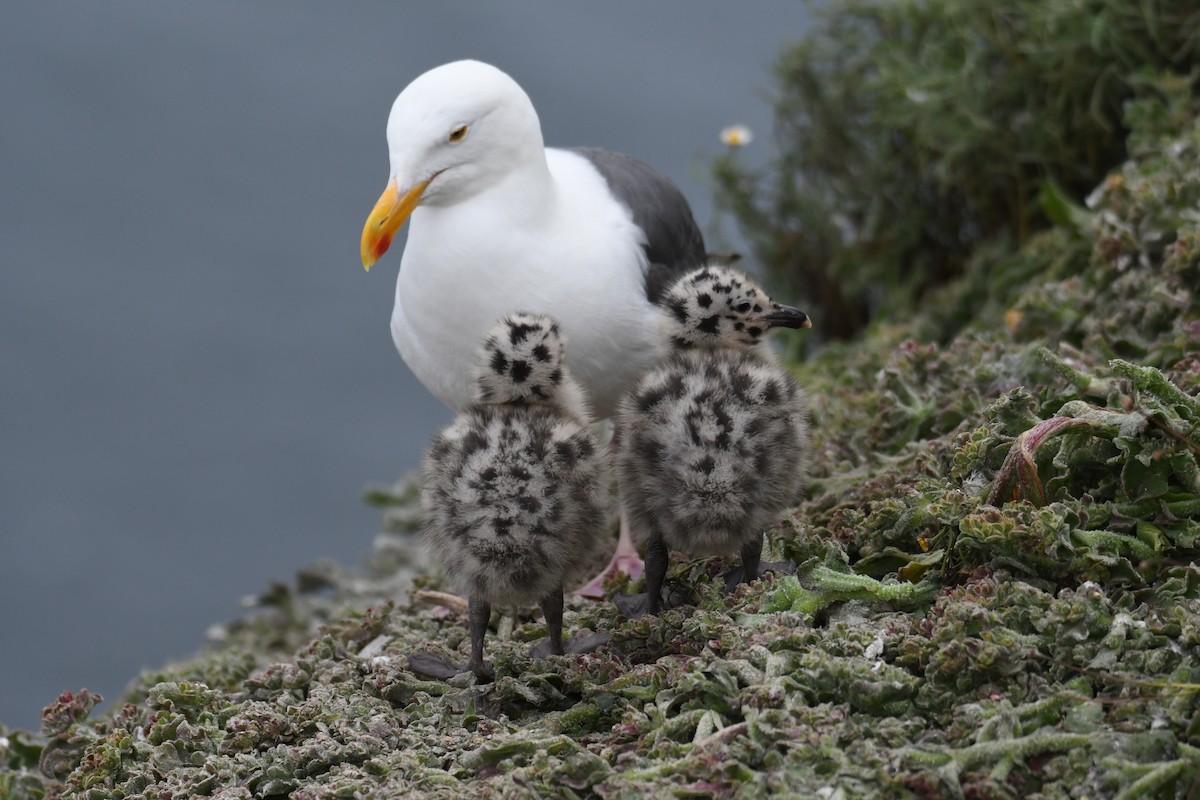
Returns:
point(997, 593)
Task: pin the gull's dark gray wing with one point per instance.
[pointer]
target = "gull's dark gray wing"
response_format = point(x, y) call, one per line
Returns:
point(674, 243)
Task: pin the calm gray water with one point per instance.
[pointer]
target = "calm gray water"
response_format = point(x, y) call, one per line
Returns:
point(196, 375)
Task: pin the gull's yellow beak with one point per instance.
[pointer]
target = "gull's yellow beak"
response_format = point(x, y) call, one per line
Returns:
point(386, 218)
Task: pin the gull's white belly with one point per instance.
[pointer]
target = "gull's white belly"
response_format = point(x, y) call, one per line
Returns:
point(453, 287)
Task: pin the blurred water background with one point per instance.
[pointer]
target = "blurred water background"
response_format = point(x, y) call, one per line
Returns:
point(196, 375)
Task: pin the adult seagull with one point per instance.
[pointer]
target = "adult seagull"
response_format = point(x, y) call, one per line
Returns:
point(500, 223)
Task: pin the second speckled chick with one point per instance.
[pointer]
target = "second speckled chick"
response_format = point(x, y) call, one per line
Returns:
point(713, 442)
point(512, 489)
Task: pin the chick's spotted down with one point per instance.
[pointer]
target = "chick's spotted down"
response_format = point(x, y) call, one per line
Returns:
point(713, 441)
point(512, 488)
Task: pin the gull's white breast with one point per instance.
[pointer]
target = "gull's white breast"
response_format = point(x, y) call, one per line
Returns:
point(576, 257)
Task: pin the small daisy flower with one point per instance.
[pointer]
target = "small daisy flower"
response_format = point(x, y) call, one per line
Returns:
point(737, 136)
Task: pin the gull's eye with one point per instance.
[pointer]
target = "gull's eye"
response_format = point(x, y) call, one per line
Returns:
point(458, 134)
point(742, 308)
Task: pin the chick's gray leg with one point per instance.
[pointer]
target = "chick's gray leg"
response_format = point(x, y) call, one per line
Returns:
point(751, 556)
point(656, 571)
point(479, 613)
point(650, 602)
point(552, 609)
point(428, 665)
point(752, 567)
point(554, 644)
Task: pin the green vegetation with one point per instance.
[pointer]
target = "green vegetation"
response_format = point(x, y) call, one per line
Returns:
point(997, 593)
point(913, 132)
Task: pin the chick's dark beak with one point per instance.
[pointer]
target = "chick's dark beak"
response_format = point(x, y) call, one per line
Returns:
point(787, 317)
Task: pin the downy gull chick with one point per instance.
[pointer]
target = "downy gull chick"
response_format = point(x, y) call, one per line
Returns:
point(714, 440)
point(512, 488)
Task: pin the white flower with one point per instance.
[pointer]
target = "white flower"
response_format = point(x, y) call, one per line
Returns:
point(737, 136)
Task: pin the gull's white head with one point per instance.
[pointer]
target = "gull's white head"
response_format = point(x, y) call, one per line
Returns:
point(453, 132)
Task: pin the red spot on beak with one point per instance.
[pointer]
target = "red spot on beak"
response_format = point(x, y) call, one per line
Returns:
point(382, 246)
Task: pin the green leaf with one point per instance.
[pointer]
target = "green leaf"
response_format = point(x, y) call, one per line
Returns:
point(1062, 210)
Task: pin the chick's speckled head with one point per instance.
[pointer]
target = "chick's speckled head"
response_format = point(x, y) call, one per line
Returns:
point(522, 361)
point(720, 307)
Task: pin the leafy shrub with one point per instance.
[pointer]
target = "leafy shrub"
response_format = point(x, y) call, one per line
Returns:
point(912, 131)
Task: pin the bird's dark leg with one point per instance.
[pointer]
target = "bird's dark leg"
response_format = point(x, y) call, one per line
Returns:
point(552, 609)
point(752, 559)
point(751, 556)
point(427, 665)
point(752, 567)
point(553, 644)
point(651, 602)
point(656, 571)
point(479, 613)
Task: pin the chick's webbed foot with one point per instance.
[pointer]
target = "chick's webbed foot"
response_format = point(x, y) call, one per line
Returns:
point(427, 665)
point(576, 645)
point(483, 671)
point(655, 596)
point(737, 575)
point(625, 559)
point(635, 606)
point(479, 613)
point(553, 645)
